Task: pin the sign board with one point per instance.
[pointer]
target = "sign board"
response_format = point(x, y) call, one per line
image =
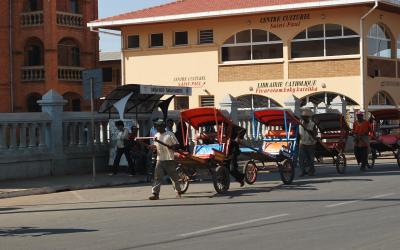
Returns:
point(165, 90)
point(97, 76)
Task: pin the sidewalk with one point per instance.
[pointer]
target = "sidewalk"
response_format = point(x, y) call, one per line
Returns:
point(53, 184)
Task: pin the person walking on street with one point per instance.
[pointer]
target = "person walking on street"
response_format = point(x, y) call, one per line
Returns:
point(361, 129)
point(165, 143)
point(308, 133)
point(122, 148)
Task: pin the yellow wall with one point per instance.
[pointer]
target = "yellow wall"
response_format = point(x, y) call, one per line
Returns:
point(201, 63)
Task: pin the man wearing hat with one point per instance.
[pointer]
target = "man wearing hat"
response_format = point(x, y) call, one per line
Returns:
point(361, 129)
point(308, 133)
point(165, 142)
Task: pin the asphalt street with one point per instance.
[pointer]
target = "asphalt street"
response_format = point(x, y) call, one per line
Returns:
point(329, 211)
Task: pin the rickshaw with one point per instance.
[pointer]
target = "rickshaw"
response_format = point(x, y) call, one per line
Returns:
point(279, 145)
point(331, 141)
point(385, 134)
point(211, 152)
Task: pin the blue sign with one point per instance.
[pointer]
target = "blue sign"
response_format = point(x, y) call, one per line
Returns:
point(95, 75)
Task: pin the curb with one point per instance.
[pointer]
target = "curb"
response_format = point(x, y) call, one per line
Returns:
point(66, 188)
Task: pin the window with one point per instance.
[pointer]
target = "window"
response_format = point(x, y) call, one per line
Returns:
point(251, 102)
point(207, 101)
point(107, 74)
point(381, 98)
point(68, 53)
point(74, 6)
point(133, 42)
point(157, 40)
point(31, 102)
point(379, 42)
point(253, 44)
point(206, 36)
point(325, 40)
point(181, 38)
point(181, 102)
point(73, 101)
point(33, 5)
point(398, 47)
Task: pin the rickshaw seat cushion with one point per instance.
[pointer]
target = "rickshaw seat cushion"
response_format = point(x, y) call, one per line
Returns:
point(332, 136)
point(274, 147)
point(207, 150)
point(278, 133)
point(389, 139)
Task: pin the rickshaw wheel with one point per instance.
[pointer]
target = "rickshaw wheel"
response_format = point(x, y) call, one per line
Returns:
point(287, 172)
point(341, 163)
point(373, 157)
point(221, 179)
point(250, 172)
point(398, 157)
point(183, 180)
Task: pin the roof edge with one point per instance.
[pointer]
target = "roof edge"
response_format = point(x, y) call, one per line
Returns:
point(231, 12)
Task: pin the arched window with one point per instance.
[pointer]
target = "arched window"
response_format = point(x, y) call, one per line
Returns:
point(379, 41)
point(74, 6)
point(381, 98)
point(68, 53)
point(33, 53)
point(33, 5)
point(325, 97)
point(325, 40)
point(251, 102)
point(252, 44)
point(73, 101)
point(31, 102)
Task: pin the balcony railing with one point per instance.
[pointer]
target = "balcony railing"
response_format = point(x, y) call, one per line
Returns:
point(34, 18)
point(66, 73)
point(32, 73)
point(69, 19)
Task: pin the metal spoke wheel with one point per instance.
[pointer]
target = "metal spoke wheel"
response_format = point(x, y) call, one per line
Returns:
point(183, 180)
point(341, 163)
point(221, 179)
point(286, 171)
point(250, 172)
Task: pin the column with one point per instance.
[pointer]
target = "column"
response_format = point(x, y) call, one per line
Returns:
point(32, 135)
point(22, 136)
point(3, 130)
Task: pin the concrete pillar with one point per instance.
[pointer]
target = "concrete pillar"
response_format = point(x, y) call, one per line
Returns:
point(229, 104)
point(53, 103)
point(293, 103)
point(338, 104)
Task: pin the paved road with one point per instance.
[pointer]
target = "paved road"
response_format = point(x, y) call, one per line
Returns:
point(329, 211)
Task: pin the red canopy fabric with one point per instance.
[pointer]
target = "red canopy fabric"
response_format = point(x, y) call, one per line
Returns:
point(386, 114)
point(203, 116)
point(275, 117)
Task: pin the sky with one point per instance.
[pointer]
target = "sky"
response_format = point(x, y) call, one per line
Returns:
point(114, 7)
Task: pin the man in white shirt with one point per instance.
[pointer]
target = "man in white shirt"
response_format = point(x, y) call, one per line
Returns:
point(308, 133)
point(122, 148)
point(165, 143)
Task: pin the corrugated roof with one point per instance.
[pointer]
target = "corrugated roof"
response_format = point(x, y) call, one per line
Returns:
point(110, 56)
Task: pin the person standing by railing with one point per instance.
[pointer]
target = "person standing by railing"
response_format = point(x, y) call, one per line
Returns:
point(122, 148)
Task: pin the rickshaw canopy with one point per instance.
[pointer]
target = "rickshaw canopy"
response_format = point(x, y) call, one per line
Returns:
point(204, 116)
point(276, 117)
point(386, 114)
point(331, 122)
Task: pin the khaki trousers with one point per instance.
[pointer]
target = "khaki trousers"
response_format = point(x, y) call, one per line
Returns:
point(169, 168)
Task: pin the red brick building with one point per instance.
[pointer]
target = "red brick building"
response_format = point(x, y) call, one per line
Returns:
point(45, 45)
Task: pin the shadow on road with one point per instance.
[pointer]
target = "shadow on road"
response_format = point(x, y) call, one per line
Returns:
point(38, 232)
point(8, 208)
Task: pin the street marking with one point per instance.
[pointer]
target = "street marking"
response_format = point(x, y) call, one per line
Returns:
point(382, 195)
point(232, 225)
point(354, 201)
point(342, 203)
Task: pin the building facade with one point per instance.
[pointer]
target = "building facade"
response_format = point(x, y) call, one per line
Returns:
point(265, 53)
point(45, 45)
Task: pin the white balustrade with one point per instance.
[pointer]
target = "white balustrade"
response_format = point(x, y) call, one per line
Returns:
point(69, 19)
point(66, 73)
point(33, 18)
point(32, 73)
